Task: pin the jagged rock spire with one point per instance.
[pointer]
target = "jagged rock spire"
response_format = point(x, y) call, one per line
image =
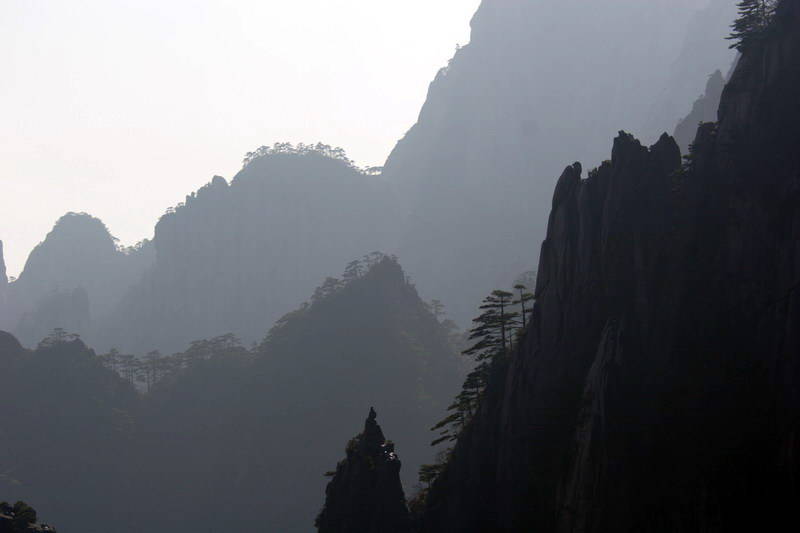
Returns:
point(365, 494)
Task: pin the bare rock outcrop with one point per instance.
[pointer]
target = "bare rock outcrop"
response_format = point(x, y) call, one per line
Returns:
point(365, 494)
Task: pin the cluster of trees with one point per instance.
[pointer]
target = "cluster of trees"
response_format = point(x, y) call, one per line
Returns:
point(753, 24)
point(324, 150)
point(354, 270)
point(151, 369)
point(503, 320)
point(18, 518)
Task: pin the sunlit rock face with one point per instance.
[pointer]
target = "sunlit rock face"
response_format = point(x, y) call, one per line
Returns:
point(656, 389)
point(365, 494)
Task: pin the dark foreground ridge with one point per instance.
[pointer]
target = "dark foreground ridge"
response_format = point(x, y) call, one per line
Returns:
point(657, 387)
point(365, 494)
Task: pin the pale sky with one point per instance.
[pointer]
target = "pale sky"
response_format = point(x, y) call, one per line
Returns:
point(121, 108)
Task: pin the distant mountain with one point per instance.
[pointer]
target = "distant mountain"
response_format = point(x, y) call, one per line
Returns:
point(704, 51)
point(74, 277)
point(539, 83)
point(703, 110)
point(235, 257)
point(460, 197)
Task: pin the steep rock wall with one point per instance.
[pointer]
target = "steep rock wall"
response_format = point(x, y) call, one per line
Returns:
point(657, 387)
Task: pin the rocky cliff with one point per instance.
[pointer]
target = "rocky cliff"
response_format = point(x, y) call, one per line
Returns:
point(365, 494)
point(704, 110)
point(656, 389)
point(475, 173)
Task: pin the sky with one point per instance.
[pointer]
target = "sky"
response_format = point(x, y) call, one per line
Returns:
point(121, 108)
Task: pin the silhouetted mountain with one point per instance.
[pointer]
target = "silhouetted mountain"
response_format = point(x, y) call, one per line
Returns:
point(65, 431)
point(234, 258)
point(538, 83)
point(76, 275)
point(461, 197)
point(656, 389)
point(704, 110)
point(365, 494)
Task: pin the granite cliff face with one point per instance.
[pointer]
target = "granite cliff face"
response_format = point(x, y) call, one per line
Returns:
point(365, 494)
point(656, 389)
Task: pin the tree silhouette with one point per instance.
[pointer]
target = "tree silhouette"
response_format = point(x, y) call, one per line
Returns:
point(523, 298)
point(491, 335)
point(755, 17)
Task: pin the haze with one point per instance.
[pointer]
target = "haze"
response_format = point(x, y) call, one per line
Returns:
point(121, 108)
point(546, 280)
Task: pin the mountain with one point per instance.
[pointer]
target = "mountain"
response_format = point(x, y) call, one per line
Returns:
point(247, 430)
point(262, 433)
point(703, 110)
point(66, 430)
point(365, 494)
point(656, 389)
point(704, 50)
point(71, 279)
point(538, 83)
point(460, 197)
point(235, 257)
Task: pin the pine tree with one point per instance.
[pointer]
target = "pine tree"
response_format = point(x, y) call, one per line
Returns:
point(492, 342)
point(524, 298)
point(753, 22)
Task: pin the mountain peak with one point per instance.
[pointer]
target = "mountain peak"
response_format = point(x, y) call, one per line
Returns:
point(365, 494)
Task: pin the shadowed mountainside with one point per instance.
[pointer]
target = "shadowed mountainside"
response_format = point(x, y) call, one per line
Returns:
point(656, 389)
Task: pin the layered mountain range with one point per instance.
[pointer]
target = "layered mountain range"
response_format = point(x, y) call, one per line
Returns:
point(461, 197)
point(227, 436)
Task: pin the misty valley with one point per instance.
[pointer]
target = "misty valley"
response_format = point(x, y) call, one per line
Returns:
point(482, 335)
